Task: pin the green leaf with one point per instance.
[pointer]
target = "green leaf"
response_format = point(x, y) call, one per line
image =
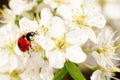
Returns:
point(17, 20)
point(60, 74)
point(74, 71)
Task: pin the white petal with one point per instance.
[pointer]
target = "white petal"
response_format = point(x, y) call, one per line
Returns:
point(51, 3)
point(4, 77)
point(32, 67)
point(36, 59)
point(77, 36)
point(3, 59)
point(25, 57)
point(30, 5)
point(96, 19)
point(75, 4)
point(44, 42)
point(57, 28)
point(106, 36)
point(75, 54)
point(65, 12)
point(17, 50)
point(47, 72)
point(92, 36)
point(109, 7)
point(46, 16)
point(102, 60)
point(13, 62)
point(56, 59)
point(17, 6)
point(97, 75)
point(27, 25)
point(99, 59)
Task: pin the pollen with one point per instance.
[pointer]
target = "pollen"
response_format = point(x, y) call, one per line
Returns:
point(79, 20)
point(45, 29)
point(105, 49)
point(59, 2)
point(14, 73)
point(61, 44)
point(10, 48)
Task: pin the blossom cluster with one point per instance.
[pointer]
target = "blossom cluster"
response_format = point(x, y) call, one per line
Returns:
point(65, 31)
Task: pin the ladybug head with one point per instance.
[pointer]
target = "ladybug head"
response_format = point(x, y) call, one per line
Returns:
point(29, 35)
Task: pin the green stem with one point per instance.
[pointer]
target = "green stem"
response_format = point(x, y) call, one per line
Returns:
point(88, 66)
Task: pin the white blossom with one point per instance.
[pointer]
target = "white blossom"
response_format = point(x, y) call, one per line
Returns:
point(19, 6)
point(54, 41)
point(106, 48)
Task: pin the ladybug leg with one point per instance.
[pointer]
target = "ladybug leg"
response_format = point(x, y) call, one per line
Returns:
point(30, 46)
point(29, 53)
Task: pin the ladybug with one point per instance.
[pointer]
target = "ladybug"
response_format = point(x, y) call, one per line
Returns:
point(24, 42)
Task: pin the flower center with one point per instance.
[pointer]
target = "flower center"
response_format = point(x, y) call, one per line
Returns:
point(61, 44)
point(106, 49)
point(10, 48)
point(14, 73)
point(80, 19)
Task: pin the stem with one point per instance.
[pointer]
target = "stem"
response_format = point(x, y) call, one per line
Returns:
point(91, 67)
point(87, 51)
point(88, 66)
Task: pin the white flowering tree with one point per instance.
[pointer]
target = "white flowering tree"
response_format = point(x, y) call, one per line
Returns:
point(46, 39)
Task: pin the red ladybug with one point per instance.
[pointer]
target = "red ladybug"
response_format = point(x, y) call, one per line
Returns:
point(24, 42)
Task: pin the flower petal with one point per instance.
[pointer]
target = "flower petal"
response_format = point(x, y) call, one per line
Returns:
point(97, 76)
point(92, 36)
point(46, 16)
point(3, 59)
point(27, 25)
point(95, 19)
point(17, 50)
point(56, 59)
point(17, 6)
point(46, 72)
point(77, 36)
point(65, 12)
point(57, 28)
point(75, 54)
point(4, 77)
point(13, 62)
point(44, 42)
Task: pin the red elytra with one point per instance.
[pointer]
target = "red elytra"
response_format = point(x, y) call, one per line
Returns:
point(23, 43)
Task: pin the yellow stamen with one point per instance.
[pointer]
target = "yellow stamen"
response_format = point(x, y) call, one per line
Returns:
point(10, 48)
point(61, 44)
point(59, 2)
point(45, 29)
